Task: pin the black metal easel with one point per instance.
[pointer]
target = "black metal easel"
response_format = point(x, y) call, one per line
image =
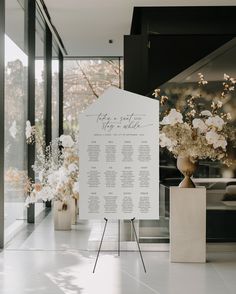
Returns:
point(136, 238)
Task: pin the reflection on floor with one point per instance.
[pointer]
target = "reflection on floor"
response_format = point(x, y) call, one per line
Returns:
point(15, 216)
point(49, 262)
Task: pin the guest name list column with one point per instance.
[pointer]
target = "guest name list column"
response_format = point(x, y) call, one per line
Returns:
point(119, 167)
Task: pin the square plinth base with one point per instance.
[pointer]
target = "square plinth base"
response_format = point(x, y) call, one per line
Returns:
point(187, 224)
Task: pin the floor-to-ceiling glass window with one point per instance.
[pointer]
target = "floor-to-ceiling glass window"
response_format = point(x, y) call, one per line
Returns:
point(55, 91)
point(19, 40)
point(40, 92)
point(84, 81)
point(218, 178)
point(15, 116)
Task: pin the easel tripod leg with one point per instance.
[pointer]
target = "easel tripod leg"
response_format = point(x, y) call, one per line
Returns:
point(136, 237)
point(100, 246)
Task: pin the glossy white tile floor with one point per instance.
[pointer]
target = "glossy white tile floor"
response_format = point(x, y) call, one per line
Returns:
point(49, 262)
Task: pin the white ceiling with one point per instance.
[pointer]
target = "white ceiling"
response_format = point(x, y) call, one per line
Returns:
point(85, 26)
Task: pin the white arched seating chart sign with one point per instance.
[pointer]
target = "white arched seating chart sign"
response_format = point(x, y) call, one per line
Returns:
point(119, 157)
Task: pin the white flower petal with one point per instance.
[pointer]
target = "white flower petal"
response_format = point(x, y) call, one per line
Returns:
point(13, 129)
point(199, 124)
point(166, 142)
point(172, 118)
point(76, 187)
point(206, 113)
point(66, 141)
point(215, 121)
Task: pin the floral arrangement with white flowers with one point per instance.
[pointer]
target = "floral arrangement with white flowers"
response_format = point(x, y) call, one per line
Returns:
point(57, 169)
point(194, 132)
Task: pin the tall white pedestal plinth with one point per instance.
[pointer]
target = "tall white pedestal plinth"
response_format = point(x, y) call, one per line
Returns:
point(187, 224)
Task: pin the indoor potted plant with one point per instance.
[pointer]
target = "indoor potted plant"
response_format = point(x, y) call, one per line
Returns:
point(196, 133)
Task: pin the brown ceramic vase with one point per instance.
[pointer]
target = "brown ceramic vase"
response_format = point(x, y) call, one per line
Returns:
point(187, 168)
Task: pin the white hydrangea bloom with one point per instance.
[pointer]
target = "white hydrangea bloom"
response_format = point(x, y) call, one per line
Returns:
point(199, 124)
point(28, 129)
point(53, 178)
point(211, 137)
point(40, 176)
point(45, 194)
point(218, 141)
point(13, 130)
point(172, 118)
point(206, 113)
point(215, 121)
point(62, 175)
point(66, 141)
point(76, 187)
point(166, 142)
point(72, 168)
